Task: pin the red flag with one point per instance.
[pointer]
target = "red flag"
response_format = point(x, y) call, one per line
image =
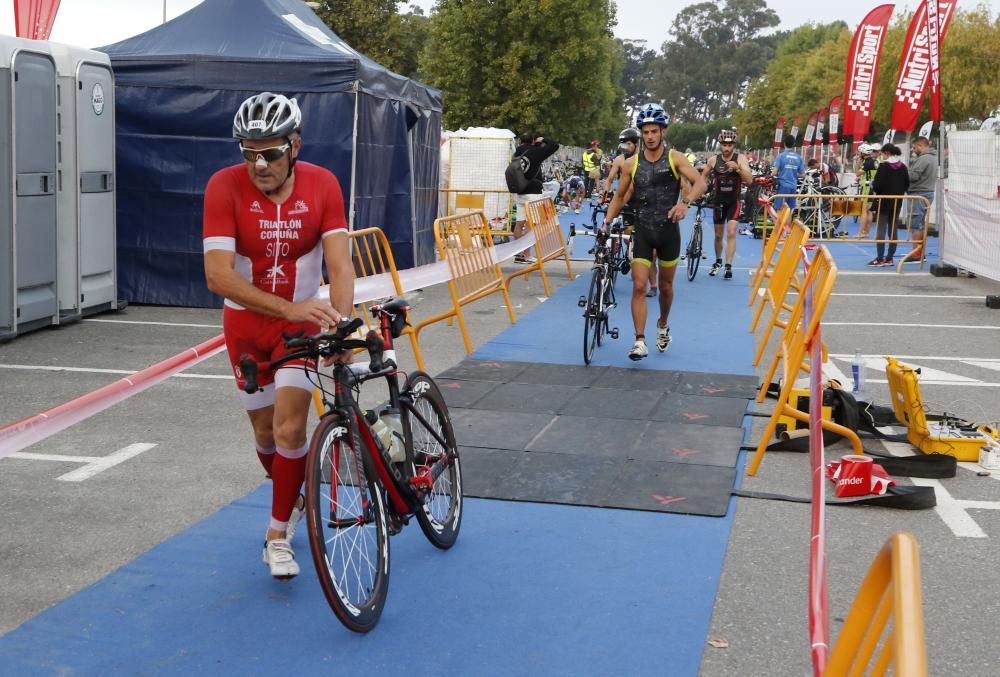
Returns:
point(34, 18)
point(834, 122)
point(810, 128)
point(795, 127)
point(779, 127)
point(934, 52)
point(915, 66)
point(862, 70)
point(820, 128)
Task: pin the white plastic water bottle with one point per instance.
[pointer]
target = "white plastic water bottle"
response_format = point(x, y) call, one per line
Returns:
point(860, 389)
point(388, 429)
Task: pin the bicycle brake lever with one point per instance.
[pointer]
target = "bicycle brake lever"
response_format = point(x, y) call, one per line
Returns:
point(248, 367)
point(376, 349)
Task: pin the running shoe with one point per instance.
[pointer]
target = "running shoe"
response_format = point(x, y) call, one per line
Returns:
point(875, 262)
point(887, 262)
point(519, 258)
point(715, 269)
point(728, 274)
point(280, 557)
point(662, 338)
point(651, 293)
point(639, 350)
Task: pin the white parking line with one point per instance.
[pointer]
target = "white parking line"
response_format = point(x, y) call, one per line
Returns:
point(907, 324)
point(164, 324)
point(912, 296)
point(91, 464)
point(845, 356)
point(102, 464)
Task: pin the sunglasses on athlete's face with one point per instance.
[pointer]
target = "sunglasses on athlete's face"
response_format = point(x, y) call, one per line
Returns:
point(269, 154)
point(728, 143)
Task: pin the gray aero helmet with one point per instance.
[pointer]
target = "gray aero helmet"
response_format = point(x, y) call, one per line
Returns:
point(267, 116)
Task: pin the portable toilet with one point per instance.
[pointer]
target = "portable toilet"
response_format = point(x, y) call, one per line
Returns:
point(28, 295)
point(87, 276)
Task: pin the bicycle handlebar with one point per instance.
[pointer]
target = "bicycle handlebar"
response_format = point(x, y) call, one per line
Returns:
point(324, 344)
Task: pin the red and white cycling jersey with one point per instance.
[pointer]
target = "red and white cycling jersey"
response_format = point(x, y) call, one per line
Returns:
point(279, 248)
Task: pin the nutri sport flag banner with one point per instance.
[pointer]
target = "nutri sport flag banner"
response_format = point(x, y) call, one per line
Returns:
point(33, 19)
point(915, 65)
point(795, 127)
point(862, 69)
point(779, 128)
point(834, 121)
point(810, 129)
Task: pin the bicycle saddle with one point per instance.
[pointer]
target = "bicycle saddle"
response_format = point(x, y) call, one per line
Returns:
point(395, 305)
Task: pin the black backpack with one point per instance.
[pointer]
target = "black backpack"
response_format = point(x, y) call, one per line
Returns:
point(517, 181)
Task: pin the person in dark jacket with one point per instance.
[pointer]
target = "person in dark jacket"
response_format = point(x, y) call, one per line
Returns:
point(891, 178)
point(533, 151)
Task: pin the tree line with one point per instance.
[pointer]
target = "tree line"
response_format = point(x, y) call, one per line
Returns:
point(555, 67)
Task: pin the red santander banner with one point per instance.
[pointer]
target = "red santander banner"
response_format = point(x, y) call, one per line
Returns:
point(779, 127)
point(33, 19)
point(915, 65)
point(934, 54)
point(862, 69)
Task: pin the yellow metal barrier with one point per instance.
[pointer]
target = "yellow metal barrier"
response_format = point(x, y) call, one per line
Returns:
point(465, 241)
point(766, 266)
point(793, 350)
point(783, 276)
point(549, 243)
point(887, 611)
point(497, 205)
point(824, 214)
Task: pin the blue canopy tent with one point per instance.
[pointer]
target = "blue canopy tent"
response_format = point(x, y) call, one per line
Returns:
point(177, 87)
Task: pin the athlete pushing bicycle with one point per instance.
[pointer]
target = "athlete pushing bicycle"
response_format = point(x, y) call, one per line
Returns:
point(269, 225)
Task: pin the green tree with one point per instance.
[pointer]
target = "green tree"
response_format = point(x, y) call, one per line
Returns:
point(550, 67)
point(372, 27)
point(637, 73)
point(414, 33)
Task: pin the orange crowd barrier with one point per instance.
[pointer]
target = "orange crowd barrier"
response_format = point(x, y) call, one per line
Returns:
point(884, 630)
point(783, 277)
point(549, 242)
point(776, 236)
point(465, 241)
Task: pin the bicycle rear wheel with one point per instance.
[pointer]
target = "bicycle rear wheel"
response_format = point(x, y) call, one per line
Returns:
point(346, 516)
point(694, 252)
point(425, 427)
point(591, 319)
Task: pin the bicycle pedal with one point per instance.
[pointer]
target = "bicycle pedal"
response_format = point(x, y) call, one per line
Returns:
point(582, 302)
point(614, 333)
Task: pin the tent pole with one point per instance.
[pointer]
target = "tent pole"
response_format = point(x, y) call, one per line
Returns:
point(354, 155)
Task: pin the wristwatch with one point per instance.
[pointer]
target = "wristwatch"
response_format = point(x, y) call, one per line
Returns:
point(687, 202)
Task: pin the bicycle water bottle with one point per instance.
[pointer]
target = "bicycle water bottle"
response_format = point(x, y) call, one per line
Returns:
point(389, 430)
point(860, 389)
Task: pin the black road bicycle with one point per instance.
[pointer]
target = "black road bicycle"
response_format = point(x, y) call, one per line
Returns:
point(356, 495)
point(610, 258)
point(693, 253)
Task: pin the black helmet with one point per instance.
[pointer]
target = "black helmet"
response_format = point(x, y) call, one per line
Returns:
point(630, 134)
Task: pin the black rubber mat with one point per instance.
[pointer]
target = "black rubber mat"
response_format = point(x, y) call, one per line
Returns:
point(603, 437)
point(459, 393)
point(700, 410)
point(717, 385)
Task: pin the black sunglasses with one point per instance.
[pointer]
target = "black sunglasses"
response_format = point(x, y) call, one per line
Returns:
point(269, 154)
point(727, 143)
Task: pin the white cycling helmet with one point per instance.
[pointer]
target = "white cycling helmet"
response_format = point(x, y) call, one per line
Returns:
point(267, 116)
point(727, 136)
point(868, 149)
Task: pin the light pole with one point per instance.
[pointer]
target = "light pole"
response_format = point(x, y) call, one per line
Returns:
point(164, 11)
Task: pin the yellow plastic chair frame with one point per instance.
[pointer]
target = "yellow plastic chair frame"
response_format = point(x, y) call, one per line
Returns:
point(465, 241)
point(792, 353)
point(766, 266)
point(782, 278)
point(890, 591)
point(549, 243)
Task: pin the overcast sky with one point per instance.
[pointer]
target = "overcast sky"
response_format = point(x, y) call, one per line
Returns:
point(93, 23)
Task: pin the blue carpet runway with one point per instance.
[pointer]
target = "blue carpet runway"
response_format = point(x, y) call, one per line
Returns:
point(529, 589)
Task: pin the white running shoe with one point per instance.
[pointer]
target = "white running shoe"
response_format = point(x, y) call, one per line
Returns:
point(278, 555)
point(297, 511)
point(716, 267)
point(639, 350)
point(662, 338)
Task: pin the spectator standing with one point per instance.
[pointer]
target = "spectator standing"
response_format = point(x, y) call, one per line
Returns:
point(788, 167)
point(533, 151)
point(891, 178)
point(867, 164)
point(592, 165)
point(923, 176)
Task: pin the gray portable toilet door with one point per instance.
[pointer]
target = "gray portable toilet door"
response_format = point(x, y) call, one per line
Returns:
point(34, 137)
point(95, 157)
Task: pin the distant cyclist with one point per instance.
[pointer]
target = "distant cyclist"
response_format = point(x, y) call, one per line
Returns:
point(629, 140)
point(655, 172)
point(269, 225)
point(726, 174)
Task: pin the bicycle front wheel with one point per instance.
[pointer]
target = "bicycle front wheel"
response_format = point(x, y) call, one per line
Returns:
point(346, 516)
point(430, 443)
point(694, 252)
point(591, 318)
